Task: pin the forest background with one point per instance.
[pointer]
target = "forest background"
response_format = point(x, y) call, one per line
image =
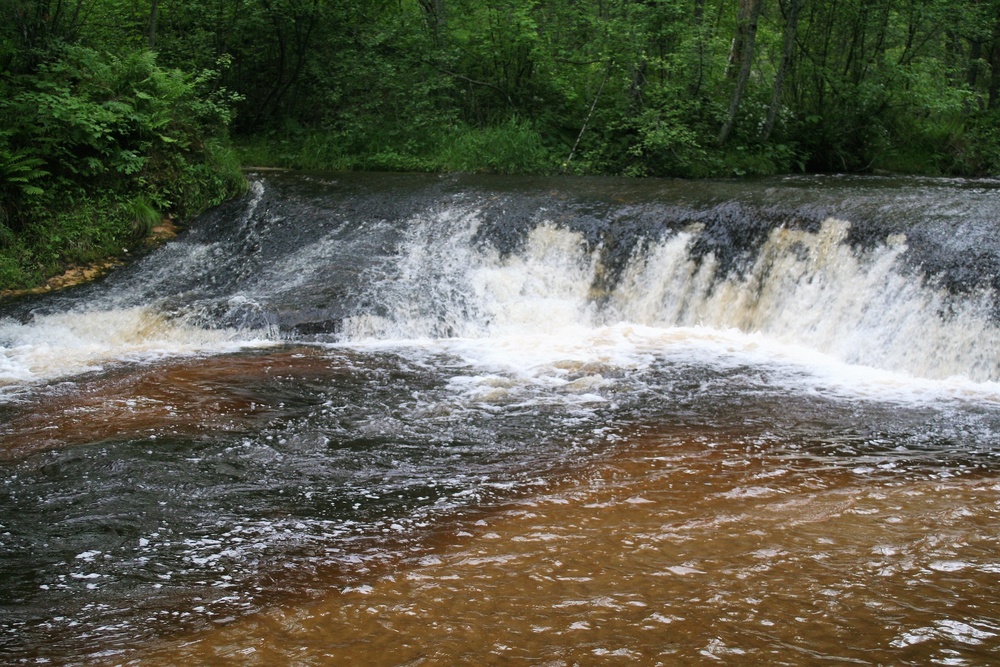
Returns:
point(116, 113)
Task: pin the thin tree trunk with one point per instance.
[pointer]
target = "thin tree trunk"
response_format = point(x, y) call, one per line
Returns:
point(788, 50)
point(993, 101)
point(593, 105)
point(152, 24)
point(699, 19)
point(746, 36)
point(434, 12)
point(972, 74)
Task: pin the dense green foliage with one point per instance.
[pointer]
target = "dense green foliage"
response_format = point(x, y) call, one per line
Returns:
point(639, 87)
point(96, 147)
point(113, 113)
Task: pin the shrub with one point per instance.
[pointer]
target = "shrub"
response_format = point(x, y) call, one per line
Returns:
point(512, 148)
point(96, 147)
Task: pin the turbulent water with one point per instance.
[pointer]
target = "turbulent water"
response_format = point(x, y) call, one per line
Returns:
point(386, 419)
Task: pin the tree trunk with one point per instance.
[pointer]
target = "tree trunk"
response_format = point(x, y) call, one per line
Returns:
point(435, 16)
point(972, 74)
point(787, 52)
point(746, 32)
point(152, 24)
point(746, 37)
point(993, 101)
point(699, 19)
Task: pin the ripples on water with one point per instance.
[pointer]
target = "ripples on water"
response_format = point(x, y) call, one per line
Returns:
point(681, 549)
point(495, 469)
point(415, 509)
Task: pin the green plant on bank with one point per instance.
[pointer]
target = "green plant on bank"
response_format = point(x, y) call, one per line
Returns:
point(512, 148)
point(96, 149)
point(18, 171)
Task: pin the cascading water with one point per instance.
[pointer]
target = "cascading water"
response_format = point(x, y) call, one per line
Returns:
point(445, 261)
point(322, 379)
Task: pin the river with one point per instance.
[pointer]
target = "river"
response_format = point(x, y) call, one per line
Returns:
point(431, 420)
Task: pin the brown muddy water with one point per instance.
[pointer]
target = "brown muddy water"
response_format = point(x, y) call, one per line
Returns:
point(414, 420)
point(682, 549)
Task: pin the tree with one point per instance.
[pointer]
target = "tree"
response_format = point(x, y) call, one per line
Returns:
point(741, 59)
point(793, 7)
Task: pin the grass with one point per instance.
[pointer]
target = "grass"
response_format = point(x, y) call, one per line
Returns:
point(512, 148)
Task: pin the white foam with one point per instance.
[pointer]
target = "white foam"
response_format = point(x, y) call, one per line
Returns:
point(818, 314)
point(816, 291)
point(836, 318)
point(64, 344)
point(501, 368)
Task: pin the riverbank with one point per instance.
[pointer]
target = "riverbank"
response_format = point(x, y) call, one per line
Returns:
point(78, 274)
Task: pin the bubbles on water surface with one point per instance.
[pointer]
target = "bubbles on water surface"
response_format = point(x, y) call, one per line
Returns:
point(332, 452)
point(458, 367)
point(657, 553)
point(339, 459)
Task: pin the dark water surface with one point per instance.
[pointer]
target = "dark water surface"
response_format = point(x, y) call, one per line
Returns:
point(380, 419)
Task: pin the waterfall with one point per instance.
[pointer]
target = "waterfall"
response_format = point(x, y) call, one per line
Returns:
point(899, 276)
point(813, 289)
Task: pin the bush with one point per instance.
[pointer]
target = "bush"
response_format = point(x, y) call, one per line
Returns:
point(512, 148)
point(95, 147)
point(976, 150)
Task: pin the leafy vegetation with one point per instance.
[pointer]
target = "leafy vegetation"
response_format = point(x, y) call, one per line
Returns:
point(687, 88)
point(116, 113)
point(96, 148)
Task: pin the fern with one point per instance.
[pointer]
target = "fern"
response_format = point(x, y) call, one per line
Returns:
point(18, 171)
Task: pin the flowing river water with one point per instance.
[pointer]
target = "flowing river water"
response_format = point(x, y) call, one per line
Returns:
point(435, 420)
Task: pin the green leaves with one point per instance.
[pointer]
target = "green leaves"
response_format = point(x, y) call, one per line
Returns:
point(636, 87)
point(20, 172)
point(94, 145)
